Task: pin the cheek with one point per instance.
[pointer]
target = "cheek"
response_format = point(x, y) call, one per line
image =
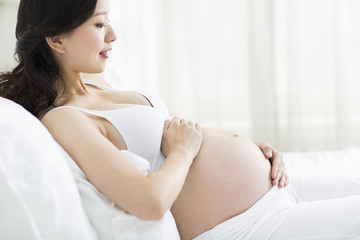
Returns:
point(90, 42)
point(95, 43)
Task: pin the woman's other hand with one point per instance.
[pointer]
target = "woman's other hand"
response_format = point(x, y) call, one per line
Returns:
point(278, 175)
point(182, 136)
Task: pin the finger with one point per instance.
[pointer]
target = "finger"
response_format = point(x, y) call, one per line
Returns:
point(268, 152)
point(191, 124)
point(277, 165)
point(266, 149)
point(167, 124)
point(276, 170)
point(274, 182)
point(183, 121)
point(282, 180)
point(279, 173)
point(197, 126)
point(176, 119)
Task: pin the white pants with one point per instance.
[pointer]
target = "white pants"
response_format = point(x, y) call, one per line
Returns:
point(278, 216)
point(324, 206)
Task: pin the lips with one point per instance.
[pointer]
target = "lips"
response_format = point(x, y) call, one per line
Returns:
point(104, 53)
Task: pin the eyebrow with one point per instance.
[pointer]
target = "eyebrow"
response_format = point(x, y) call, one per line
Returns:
point(99, 13)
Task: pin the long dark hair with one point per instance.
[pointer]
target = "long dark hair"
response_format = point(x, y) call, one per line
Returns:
point(32, 82)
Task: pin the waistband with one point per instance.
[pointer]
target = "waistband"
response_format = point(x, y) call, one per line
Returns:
point(242, 225)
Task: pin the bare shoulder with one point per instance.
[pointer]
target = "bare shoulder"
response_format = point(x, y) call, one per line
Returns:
point(65, 121)
point(60, 115)
point(96, 78)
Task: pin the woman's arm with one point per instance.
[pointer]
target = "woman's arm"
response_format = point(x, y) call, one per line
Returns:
point(146, 196)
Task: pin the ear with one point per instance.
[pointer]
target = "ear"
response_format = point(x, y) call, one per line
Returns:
point(56, 44)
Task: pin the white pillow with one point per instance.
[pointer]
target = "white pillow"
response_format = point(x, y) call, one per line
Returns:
point(39, 198)
point(109, 221)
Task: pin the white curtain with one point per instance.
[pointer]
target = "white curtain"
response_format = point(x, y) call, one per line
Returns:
point(284, 71)
point(8, 13)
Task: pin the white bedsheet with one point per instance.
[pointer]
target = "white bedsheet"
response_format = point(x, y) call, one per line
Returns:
point(325, 174)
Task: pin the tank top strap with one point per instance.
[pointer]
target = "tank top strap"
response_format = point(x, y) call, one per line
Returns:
point(93, 112)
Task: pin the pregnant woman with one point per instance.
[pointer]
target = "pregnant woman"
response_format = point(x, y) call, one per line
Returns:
point(217, 184)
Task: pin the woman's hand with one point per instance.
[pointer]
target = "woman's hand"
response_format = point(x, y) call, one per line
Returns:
point(278, 175)
point(182, 136)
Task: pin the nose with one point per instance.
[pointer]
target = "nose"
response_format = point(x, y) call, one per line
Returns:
point(110, 35)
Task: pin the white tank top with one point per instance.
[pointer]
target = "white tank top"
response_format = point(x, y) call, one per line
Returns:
point(140, 126)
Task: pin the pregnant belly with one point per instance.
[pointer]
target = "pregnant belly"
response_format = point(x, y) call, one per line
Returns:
point(229, 175)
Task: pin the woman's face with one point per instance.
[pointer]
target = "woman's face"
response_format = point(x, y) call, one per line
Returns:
point(88, 45)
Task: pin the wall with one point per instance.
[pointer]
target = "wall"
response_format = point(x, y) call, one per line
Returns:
point(8, 11)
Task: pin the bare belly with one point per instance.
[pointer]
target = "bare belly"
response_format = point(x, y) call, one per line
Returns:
point(227, 177)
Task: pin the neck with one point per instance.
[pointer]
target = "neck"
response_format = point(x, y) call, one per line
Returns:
point(71, 85)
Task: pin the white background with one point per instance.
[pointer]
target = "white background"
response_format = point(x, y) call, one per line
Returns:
point(284, 71)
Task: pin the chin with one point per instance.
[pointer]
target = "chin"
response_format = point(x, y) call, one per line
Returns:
point(100, 71)
point(95, 70)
